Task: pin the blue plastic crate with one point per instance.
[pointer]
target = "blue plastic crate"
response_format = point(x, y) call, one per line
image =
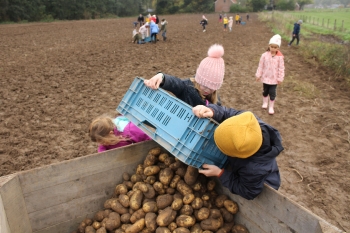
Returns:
point(171, 123)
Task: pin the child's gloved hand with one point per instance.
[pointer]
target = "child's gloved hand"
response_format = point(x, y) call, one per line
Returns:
point(155, 81)
point(210, 170)
point(202, 111)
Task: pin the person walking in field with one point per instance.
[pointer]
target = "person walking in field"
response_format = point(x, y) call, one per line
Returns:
point(220, 18)
point(247, 17)
point(237, 19)
point(204, 23)
point(141, 20)
point(225, 23)
point(230, 23)
point(154, 29)
point(163, 28)
point(296, 31)
point(112, 132)
point(271, 72)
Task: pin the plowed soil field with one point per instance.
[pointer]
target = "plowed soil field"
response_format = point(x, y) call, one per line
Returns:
point(56, 77)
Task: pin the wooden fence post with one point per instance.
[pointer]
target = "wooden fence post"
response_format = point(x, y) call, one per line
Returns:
point(335, 24)
point(322, 22)
point(328, 24)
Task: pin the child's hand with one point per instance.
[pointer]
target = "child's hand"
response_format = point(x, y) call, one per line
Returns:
point(202, 111)
point(210, 170)
point(257, 79)
point(155, 81)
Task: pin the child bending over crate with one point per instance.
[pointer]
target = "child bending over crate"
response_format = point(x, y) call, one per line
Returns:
point(251, 146)
point(113, 132)
point(200, 90)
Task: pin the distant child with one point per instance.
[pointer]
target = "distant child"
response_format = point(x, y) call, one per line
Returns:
point(247, 17)
point(113, 132)
point(220, 18)
point(271, 72)
point(137, 38)
point(240, 20)
point(163, 28)
point(225, 23)
point(135, 24)
point(144, 31)
point(154, 31)
point(296, 31)
point(237, 19)
point(204, 22)
point(230, 23)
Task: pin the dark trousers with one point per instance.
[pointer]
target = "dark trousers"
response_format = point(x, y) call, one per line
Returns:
point(203, 25)
point(269, 90)
point(154, 37)
point(295, 37)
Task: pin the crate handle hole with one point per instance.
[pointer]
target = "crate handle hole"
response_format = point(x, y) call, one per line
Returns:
point(148, 126)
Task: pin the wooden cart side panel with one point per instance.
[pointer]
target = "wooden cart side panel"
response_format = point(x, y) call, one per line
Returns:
point(78, 188)
point(12, 199)
point(4, 226)
point(36, 179)
point(273, 212)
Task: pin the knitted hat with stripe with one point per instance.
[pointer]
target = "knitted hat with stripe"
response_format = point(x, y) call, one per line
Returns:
point(211, 70)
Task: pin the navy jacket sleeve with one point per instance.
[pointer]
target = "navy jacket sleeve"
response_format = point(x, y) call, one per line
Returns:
point(221, 113)
point(173, 84)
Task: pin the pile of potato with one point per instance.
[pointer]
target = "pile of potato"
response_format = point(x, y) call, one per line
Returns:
point(164, 196)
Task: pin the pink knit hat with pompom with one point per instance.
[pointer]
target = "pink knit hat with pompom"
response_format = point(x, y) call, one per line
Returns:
point(211, 70)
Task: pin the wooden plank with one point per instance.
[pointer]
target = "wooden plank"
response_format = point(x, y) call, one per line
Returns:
point(14, 205)
point(4, 226)
point(66, 171)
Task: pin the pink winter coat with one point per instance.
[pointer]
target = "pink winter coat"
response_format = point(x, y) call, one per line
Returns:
point(271, 69)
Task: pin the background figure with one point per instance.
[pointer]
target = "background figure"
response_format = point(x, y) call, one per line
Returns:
point(230, 23)
point(237, 18)
point(154, 31)
point(220, 18)
point(135, 24)
point(141, 19)
point(271, 72)
point(247, 17)
point(204, 22)
point(225, 23)
point(296, 31)
point(112, 132)
point(163, 28)
point(144, 31)
point(240, 19)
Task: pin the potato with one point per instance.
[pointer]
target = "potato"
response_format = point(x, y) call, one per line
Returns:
point(139, 169)
point(207, 204)
point(119, 231)
point(205, 197)
point(165, 176)
point(130, 193)
point(162, 157)
point(165, 217)
point(140, 186)
point(197, 203)
point(121, 189)
point(106, 213)
point(125, 218)
point(158, 187)
point(151, 193)
point(186, 210)
point(150, 207)
point(81, 228)
point(124, 226)
point(188, 198)
point(191, 175)
point(168, 161)
point(155, 151)
point(88, 221)
point(207, 232)
point(136, 227)
point(99, 216)
point(96, 225)
point(181, 230)
point(90, 229)
point(128, 184)
point(112, 222)
point(162, 165)
point(231, 206)
point(136, 200)
point(211, 185)
point(164, 201)
point(101, 230)
point(151, 179)
point(178, 195)
point(126, 176)
point(145, 230)
point(219, 201)
point(118, 207)
point(150, 160)
point(174, 181)
point(172, 226)
point(185, 221)
point(196, 228)
point(238, 228)
point(181, 171)
point(177, 204)
point(215, 214)
point(211, 224)
point(150, 221)
point(183, 188)
point(197, 186)
point(107, 204)
point(226, 228)
point(163, 230)
point(124, 200)
point(202, 214)
point(138, 214)
point(170, 191)
point(176, 165)
point(136, 178)
point(228, 217)
point(151, 170)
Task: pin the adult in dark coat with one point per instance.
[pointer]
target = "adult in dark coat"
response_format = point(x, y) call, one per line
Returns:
point(141, 19)
point(251, 146)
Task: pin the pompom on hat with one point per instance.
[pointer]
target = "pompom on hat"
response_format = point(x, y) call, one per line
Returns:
point(276, 39)
point(210, 72)
point(239, 136)
point(299, 21)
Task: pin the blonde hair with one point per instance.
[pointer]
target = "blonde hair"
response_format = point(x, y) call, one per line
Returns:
point(212, 98)
point(99, 131)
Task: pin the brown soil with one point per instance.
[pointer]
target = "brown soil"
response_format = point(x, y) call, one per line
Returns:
point(56, 77)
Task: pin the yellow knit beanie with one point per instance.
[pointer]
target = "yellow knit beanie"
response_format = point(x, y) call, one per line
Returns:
point(239, 136)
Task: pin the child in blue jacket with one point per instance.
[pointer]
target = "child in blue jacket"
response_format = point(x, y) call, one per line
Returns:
point(251, 146)
point(296, 31)
point(154, 29)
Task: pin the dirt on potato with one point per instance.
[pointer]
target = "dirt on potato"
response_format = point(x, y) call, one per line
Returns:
point(56, 77)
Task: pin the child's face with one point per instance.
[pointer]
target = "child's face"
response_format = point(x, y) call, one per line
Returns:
point(274, 48)
point(205, 90)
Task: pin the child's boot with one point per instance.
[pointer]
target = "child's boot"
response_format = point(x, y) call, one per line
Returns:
point(271, 105)
point(265, 101)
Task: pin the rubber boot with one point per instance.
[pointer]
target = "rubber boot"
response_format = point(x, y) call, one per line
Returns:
point(271, 105)
point(265, 101)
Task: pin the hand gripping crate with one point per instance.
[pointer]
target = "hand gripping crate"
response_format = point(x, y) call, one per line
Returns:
point(171, 123)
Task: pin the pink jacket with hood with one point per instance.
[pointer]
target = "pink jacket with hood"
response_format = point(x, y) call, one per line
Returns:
point(271, 69)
